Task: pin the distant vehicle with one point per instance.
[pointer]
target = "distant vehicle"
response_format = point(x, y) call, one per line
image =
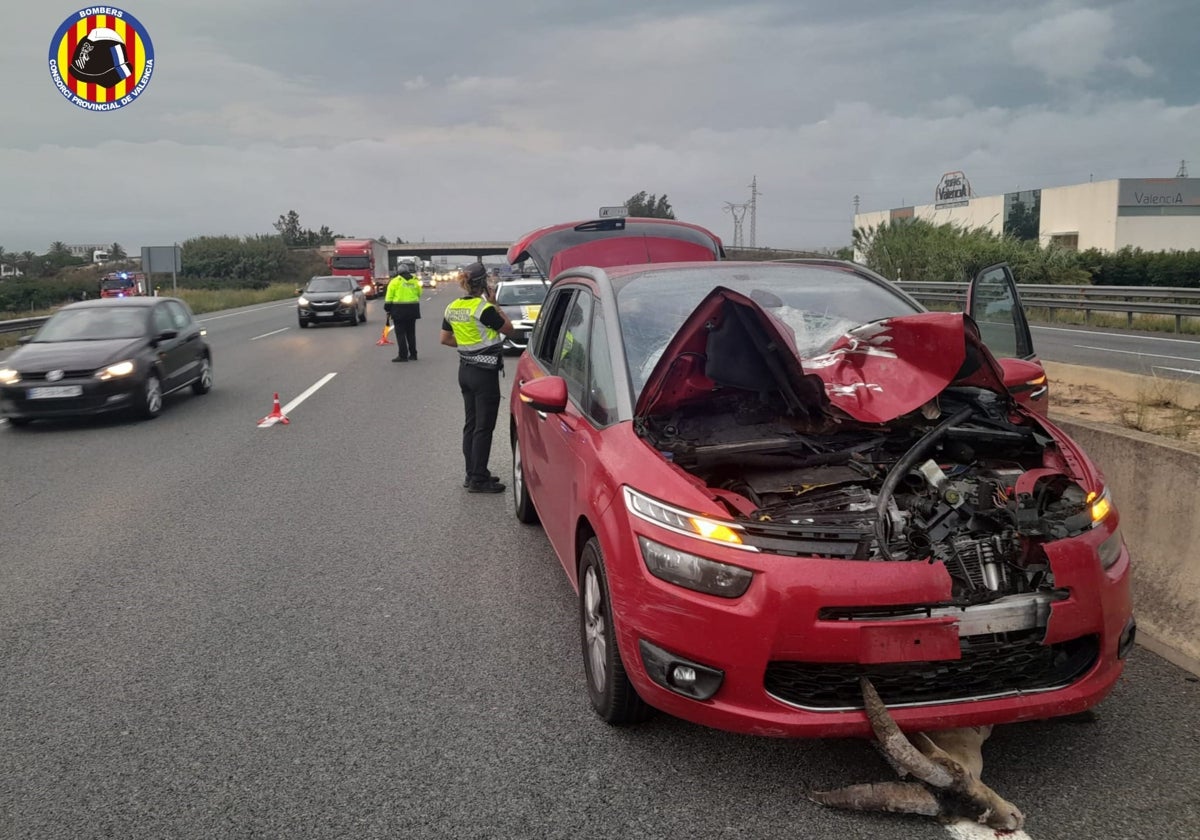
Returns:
point(99, 356)
point(330, 298)
point(100, 257)
point(123, 284)
point(521, 301)
point(366, 260)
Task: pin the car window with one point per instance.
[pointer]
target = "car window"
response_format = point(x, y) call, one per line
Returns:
point(601, 404)
point(162, 319)
point(181, 318)
point(94, 324)
point(817, 304)
point(995, 311)
point(545, 333)
point(328, 284)
point(573, 347)
point(522, 294)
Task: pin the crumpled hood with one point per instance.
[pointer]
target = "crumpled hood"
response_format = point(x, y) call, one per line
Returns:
point(72, 355)
point(874, 373)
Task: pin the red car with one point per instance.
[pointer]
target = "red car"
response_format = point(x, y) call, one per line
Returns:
point(767, 479)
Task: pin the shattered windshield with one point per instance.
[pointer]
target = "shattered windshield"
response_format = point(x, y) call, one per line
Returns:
point(817, 303)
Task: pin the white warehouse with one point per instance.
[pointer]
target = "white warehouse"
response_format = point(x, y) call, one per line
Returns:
point(1154, 214)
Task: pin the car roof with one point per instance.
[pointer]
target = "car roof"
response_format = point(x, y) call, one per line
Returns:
point(107, 303)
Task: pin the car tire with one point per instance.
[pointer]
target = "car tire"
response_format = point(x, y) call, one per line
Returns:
point(151, 397)
point(612, 694)
point(303, 324)
point(522, 504)
point(204, 381)
point(19, 422)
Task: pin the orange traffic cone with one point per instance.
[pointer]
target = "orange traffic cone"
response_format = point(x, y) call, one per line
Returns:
point(276, 414)
point(383, 339)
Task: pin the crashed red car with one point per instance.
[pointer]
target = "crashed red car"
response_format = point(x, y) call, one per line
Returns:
point(766, 480)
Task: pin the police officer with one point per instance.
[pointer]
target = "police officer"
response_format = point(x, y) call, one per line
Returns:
point(476, 327)
point(403, 302)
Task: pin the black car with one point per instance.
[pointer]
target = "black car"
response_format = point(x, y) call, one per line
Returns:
point(106, 355)
point(332, 298)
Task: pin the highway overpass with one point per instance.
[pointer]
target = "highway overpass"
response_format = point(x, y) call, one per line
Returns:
point(429, 250)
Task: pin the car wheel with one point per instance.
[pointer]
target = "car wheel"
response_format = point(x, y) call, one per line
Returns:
point(204, 381)
point(612, 694)
point(522, 504)
point(152, 397)
point(303, 324)
point(19, 422)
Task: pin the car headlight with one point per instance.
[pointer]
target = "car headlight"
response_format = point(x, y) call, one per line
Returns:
point(348, 299)
point(1110, 549)
point(433, 283)
point(693, 572)
point(115, 371)
point(302, 301)
point(8, 376)
point(1100, 505)
point(684, 522)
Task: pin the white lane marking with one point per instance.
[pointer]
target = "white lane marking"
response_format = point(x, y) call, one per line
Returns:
point(968, 830)
point(1116, 334)
point(1177, 370)
point(245, 312)
point(1136, 353)
point(267, 422)
point(272, 332)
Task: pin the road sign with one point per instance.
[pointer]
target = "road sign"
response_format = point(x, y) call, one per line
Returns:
point(614, 212)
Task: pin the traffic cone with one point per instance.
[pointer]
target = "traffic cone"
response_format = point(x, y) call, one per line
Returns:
point(383, 339)
point(276, 414)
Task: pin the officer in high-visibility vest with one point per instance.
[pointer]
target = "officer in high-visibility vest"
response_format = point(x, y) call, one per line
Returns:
point(403, 302)
point(476, 327)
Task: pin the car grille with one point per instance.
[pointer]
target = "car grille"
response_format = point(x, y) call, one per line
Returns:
point(993, 664)
point(40, 376)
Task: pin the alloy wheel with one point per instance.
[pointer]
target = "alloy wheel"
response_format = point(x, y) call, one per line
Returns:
point(595, 629)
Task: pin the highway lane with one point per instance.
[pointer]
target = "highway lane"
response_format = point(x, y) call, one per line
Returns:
point(1150, 354)
point(209, 629)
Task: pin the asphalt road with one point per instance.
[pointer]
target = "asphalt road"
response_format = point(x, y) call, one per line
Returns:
point(1151, 354)
point(213, 630)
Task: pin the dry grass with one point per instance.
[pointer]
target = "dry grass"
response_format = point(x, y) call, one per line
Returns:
point(1155, 409)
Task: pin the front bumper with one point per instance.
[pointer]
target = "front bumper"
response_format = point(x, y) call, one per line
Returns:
point(790, 651)
point(318, 315)
point(519, 340)
point(96, 397)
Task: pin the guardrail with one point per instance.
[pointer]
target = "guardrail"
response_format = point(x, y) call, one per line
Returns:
point(1145, 300)
point(22, 324)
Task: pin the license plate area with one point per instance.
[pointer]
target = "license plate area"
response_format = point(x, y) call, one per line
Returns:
point(54, 392)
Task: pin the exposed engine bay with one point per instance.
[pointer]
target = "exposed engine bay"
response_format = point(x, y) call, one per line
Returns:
point(964, 481)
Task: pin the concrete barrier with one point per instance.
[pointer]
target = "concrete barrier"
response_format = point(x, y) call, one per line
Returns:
point(1155, 488)
point(1131, 387)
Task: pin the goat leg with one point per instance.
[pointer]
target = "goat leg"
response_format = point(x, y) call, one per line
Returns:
point(892, 797)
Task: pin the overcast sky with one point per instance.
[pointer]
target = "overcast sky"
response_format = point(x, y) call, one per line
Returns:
point(483, 119)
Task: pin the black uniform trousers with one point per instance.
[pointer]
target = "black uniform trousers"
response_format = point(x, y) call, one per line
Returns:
point(406, 337)
point(481, 402)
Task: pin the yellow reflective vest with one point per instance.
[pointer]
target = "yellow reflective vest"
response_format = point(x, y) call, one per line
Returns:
point(403, 289)
point(470, 334)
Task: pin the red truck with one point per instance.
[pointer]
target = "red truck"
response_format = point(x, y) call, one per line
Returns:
point(123, 284)
point(364, 259)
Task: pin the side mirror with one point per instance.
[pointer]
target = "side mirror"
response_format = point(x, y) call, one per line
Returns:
point(298, 291)
point(547, 393)
point(1018, 372)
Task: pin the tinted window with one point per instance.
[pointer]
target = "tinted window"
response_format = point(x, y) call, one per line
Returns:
point(545, 334)
point(162, 319)
point(816, 303)
point(93, 324)
point(601, 404)
point(179, 316)
point(573, 346)
point(330, 284)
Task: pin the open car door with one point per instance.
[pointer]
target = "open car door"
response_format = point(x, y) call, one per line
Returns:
point(995, 306)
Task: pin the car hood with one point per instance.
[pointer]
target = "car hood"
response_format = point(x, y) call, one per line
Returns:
point(73, 355)
point(874, 373)
point(324, 297)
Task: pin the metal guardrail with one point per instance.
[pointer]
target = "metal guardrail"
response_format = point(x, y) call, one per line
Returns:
point(1145, 300)
point(22, 324)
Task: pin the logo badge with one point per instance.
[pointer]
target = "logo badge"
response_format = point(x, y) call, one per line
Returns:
point(101, 58)
point(55, 375)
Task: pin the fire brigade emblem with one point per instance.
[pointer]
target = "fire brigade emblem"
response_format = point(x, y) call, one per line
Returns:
point(101, 58)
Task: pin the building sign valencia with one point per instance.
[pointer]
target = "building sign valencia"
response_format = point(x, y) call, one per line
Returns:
point(954, 190)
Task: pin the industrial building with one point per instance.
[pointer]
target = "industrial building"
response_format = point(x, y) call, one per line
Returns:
point(1154, 214)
